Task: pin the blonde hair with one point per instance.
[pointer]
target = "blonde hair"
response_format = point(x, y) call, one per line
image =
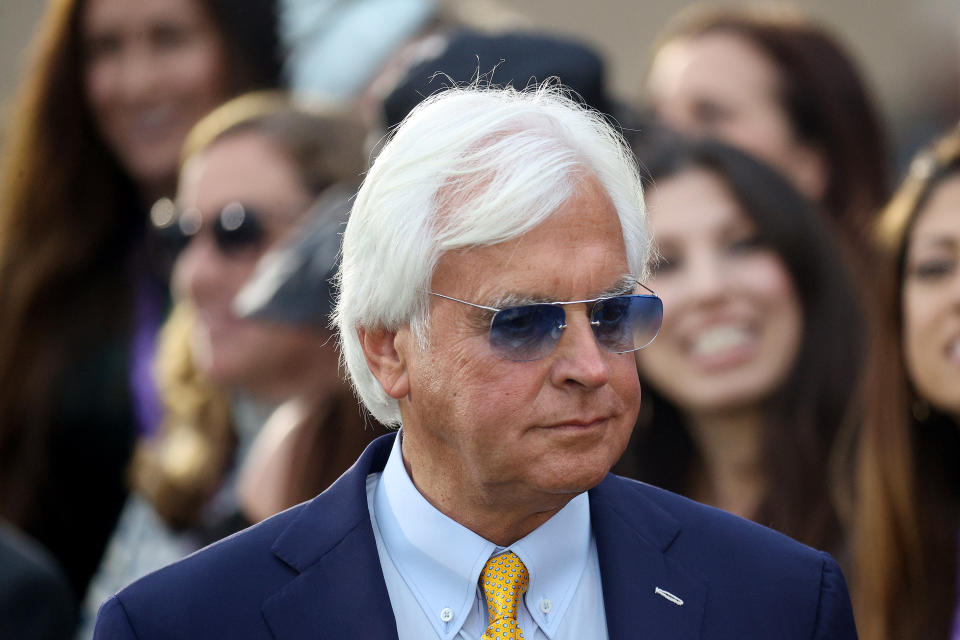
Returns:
point(181, 468)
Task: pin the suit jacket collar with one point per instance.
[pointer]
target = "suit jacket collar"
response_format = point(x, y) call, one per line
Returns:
point(340, 591)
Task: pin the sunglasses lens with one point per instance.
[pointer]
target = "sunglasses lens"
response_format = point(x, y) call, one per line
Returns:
point(627, 323)
point(171, 232)
point(237, 228)
point(527, 332)
point(170, 240)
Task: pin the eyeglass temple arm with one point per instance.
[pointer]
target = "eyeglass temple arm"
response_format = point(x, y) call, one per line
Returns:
point(478, 306)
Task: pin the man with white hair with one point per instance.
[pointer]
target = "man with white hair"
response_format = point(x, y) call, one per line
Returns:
point(491, 300)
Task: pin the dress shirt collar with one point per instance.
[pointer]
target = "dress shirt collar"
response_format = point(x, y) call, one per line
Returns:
point(440, 560)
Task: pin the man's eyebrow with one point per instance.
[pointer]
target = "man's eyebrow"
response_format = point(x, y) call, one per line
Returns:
point(626, 284)
point(516, 299)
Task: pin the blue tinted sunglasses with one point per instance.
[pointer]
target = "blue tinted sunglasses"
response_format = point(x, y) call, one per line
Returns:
point(527, 332)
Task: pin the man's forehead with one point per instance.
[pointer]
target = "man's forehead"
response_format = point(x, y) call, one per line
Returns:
point(576, 252)
point(511, 278)
point(530, 295)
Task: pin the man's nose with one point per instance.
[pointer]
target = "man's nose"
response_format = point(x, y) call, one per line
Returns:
point(578, 358)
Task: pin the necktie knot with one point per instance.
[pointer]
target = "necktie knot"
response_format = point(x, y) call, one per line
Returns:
point(504, 581)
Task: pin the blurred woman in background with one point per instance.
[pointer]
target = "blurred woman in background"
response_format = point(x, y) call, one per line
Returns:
point(772, 82)
point(750, 381)
point(256, 172)
point(908, 507)
point(93, 141)
point(267, 161)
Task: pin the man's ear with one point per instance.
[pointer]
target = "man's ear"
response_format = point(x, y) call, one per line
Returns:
point(385, 362)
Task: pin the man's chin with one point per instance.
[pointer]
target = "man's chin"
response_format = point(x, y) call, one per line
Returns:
point(575, 479)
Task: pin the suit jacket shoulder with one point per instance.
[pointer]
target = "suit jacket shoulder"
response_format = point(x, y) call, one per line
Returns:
point(311, 571)
point(699, 572)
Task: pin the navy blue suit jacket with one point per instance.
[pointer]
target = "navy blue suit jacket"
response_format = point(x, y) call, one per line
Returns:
point(313, 572)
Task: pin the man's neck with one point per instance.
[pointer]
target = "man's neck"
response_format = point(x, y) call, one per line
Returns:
point(500, 518)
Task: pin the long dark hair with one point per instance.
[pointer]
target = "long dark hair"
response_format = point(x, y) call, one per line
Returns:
point(71, 221)
point(806, 413)
point(824, 97)
point(908, 477)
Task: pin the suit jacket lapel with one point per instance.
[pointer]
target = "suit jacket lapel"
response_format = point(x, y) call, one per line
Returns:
point(340, 591)
point(643, 587)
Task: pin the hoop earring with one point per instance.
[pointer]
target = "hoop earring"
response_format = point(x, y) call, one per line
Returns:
point(920, 409)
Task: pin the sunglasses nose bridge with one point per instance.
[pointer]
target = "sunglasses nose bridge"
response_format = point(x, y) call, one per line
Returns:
point(575, 311)
point(578, 357)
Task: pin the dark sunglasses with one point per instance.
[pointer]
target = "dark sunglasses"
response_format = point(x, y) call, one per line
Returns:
point(235, 229)
point(528, 332)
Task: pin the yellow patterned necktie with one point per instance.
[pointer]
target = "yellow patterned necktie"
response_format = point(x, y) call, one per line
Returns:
point(504, 580)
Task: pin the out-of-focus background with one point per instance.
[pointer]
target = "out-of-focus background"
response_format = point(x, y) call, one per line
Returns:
point(170, 215)
point(909, 51)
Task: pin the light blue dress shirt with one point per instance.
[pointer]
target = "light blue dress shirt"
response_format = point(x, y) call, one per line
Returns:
point(432, 564)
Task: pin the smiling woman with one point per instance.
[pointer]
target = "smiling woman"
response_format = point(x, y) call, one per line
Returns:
point(751, 378)
point(735, 321)
point(93, 140)
point(153, 68)
point(905, 538)
point(931, 274)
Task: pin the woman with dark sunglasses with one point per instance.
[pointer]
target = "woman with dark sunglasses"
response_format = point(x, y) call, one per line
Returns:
point(92, 141)
point(255, 172)
point(749, 383)
point(907, 518)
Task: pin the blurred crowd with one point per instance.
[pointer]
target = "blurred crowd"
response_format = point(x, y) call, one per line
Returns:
point(175, 178)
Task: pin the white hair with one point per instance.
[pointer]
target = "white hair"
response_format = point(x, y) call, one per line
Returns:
point(470, 166)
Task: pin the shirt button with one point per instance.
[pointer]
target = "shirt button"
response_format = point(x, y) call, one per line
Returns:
point(546, 605)
point(446, 614)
